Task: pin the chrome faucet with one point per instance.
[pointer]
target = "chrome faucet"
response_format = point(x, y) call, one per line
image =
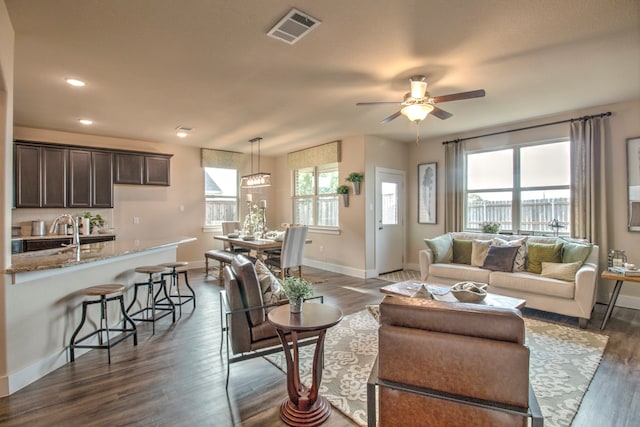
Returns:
point(67, 218)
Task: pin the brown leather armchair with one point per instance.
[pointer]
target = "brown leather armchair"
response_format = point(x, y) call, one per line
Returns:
point(243, 315)
point(448, 364)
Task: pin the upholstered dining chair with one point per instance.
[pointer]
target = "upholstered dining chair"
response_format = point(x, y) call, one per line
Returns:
point(230, 227)
point(292, 251)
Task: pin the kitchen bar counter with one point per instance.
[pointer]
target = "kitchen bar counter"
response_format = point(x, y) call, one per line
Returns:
point(43, 305)
point(67, 257)
point(61, 236)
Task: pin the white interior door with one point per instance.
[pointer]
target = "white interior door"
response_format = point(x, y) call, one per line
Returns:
point(389, 220)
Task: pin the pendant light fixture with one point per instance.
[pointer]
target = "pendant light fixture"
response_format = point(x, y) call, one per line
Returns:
point(258, 179)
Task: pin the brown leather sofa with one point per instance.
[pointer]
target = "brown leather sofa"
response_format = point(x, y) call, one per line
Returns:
point(448, 364)
point(243, 315)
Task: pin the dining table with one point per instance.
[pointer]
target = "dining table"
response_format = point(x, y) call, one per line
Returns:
point(259, 245)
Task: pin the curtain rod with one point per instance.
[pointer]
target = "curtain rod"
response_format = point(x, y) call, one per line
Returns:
point(607, 114)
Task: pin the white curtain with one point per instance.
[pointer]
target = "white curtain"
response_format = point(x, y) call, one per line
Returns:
point(588, 182)
point(454, 187)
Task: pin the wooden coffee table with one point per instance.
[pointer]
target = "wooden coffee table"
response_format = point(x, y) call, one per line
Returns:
point(304, 406)
point(441, 293)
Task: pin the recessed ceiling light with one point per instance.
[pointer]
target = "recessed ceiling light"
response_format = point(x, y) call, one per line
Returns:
point(86, 122)
point(183, 131)
point(75, 82)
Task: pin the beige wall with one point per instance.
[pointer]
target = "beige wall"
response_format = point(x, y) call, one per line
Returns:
point(6, 131)
point(623, 124)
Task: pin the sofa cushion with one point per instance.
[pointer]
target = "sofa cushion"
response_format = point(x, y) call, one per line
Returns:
point(573, 251)
point(459, 273)
point(542, 252)
point(479, 249)
point(520, 261)
point(442, 248)
point(531, 283)
point(462, 251)
point(561, 271)
point(500, 258)
point(270, 285)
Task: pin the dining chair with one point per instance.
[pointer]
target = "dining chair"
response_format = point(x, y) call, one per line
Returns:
point(292, 251)
point(229, 227)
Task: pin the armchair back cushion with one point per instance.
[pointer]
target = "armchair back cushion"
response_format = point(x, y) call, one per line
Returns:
point(473, 351)
point(249, 287)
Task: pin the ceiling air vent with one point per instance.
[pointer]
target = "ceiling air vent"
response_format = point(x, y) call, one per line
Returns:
point(293, 26)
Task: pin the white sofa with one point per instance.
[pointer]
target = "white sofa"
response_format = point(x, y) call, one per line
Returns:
point(558, 296)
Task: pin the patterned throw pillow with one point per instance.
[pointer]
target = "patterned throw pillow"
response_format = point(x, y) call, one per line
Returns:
point(520, 263)
point(479, 249)
point(561, 271)
point(272, 291)
point(442, 248)
point(542, 252)
point(500, 258)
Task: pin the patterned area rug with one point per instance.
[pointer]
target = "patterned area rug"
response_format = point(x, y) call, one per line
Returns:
point(400, 276)
point(563, 362)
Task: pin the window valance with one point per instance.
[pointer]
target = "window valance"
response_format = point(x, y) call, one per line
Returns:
point(221, 159)
point(314, 156)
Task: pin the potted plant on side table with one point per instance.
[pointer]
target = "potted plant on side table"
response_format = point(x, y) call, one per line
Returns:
point(344, 190)
point(355, 178)
point(297, 290)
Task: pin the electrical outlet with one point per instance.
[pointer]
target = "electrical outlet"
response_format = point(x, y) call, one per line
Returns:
point(136, 220)
point(321, 249)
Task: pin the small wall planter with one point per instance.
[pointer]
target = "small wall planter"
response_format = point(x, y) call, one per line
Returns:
point(355, 178)
point(343, 190)
point(345, 200)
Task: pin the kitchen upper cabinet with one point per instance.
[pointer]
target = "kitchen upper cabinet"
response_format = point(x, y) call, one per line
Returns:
point(129, 168)
point(80, 176)
point(157, 170)
point(102, 179)
point(40, 175)
point(142, 169)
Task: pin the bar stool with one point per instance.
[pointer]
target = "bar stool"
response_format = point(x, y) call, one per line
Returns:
point(103, 291)
point(175, 276)
point(142, 314)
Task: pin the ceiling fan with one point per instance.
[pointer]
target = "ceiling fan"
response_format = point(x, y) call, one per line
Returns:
point(417, 103)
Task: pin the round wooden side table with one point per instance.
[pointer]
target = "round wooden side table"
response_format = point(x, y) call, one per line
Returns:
point(304, 406)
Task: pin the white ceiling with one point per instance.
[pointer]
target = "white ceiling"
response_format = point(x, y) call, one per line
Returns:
point(151, 65)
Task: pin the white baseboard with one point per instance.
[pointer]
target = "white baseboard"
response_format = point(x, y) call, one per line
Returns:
point(628, 302)
point(348, 271)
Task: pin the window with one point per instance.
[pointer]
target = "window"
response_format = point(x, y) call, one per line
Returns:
point(524, 189)
point(221, 195)
point(315, 201)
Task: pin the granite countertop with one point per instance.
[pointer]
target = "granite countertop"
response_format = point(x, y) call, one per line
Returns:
point(67, 257)
point(60, 236)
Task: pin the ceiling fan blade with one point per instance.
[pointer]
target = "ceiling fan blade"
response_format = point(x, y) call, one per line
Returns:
point(359, 104)
point(440, 113)
point(391, 117)
point(458, 96)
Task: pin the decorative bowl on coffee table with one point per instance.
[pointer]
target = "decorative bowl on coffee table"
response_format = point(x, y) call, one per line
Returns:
point(469, 291)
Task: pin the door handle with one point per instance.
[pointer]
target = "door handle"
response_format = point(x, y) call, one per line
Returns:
point(379, 228)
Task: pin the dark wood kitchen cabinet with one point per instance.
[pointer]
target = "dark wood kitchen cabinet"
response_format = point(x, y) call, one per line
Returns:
point(40, 175)
point(90, 179)
point(102, 179)
point(79, 178)
point(142, 169)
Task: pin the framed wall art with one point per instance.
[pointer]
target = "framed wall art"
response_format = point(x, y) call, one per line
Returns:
point(427, 193)
point(633, 180)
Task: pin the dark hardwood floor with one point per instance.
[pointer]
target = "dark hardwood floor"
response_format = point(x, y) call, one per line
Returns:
point(177, 376)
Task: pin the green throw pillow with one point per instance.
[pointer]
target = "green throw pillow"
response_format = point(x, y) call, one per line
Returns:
point(461, 251)
point(442, 248)
point(573, 251)
point(542, 252)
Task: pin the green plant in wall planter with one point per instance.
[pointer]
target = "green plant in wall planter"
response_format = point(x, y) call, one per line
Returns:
point(355, 178)
point(297, 290)
point(344, 191)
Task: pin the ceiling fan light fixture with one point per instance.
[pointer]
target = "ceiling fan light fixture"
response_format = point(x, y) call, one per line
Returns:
point(417, 112)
